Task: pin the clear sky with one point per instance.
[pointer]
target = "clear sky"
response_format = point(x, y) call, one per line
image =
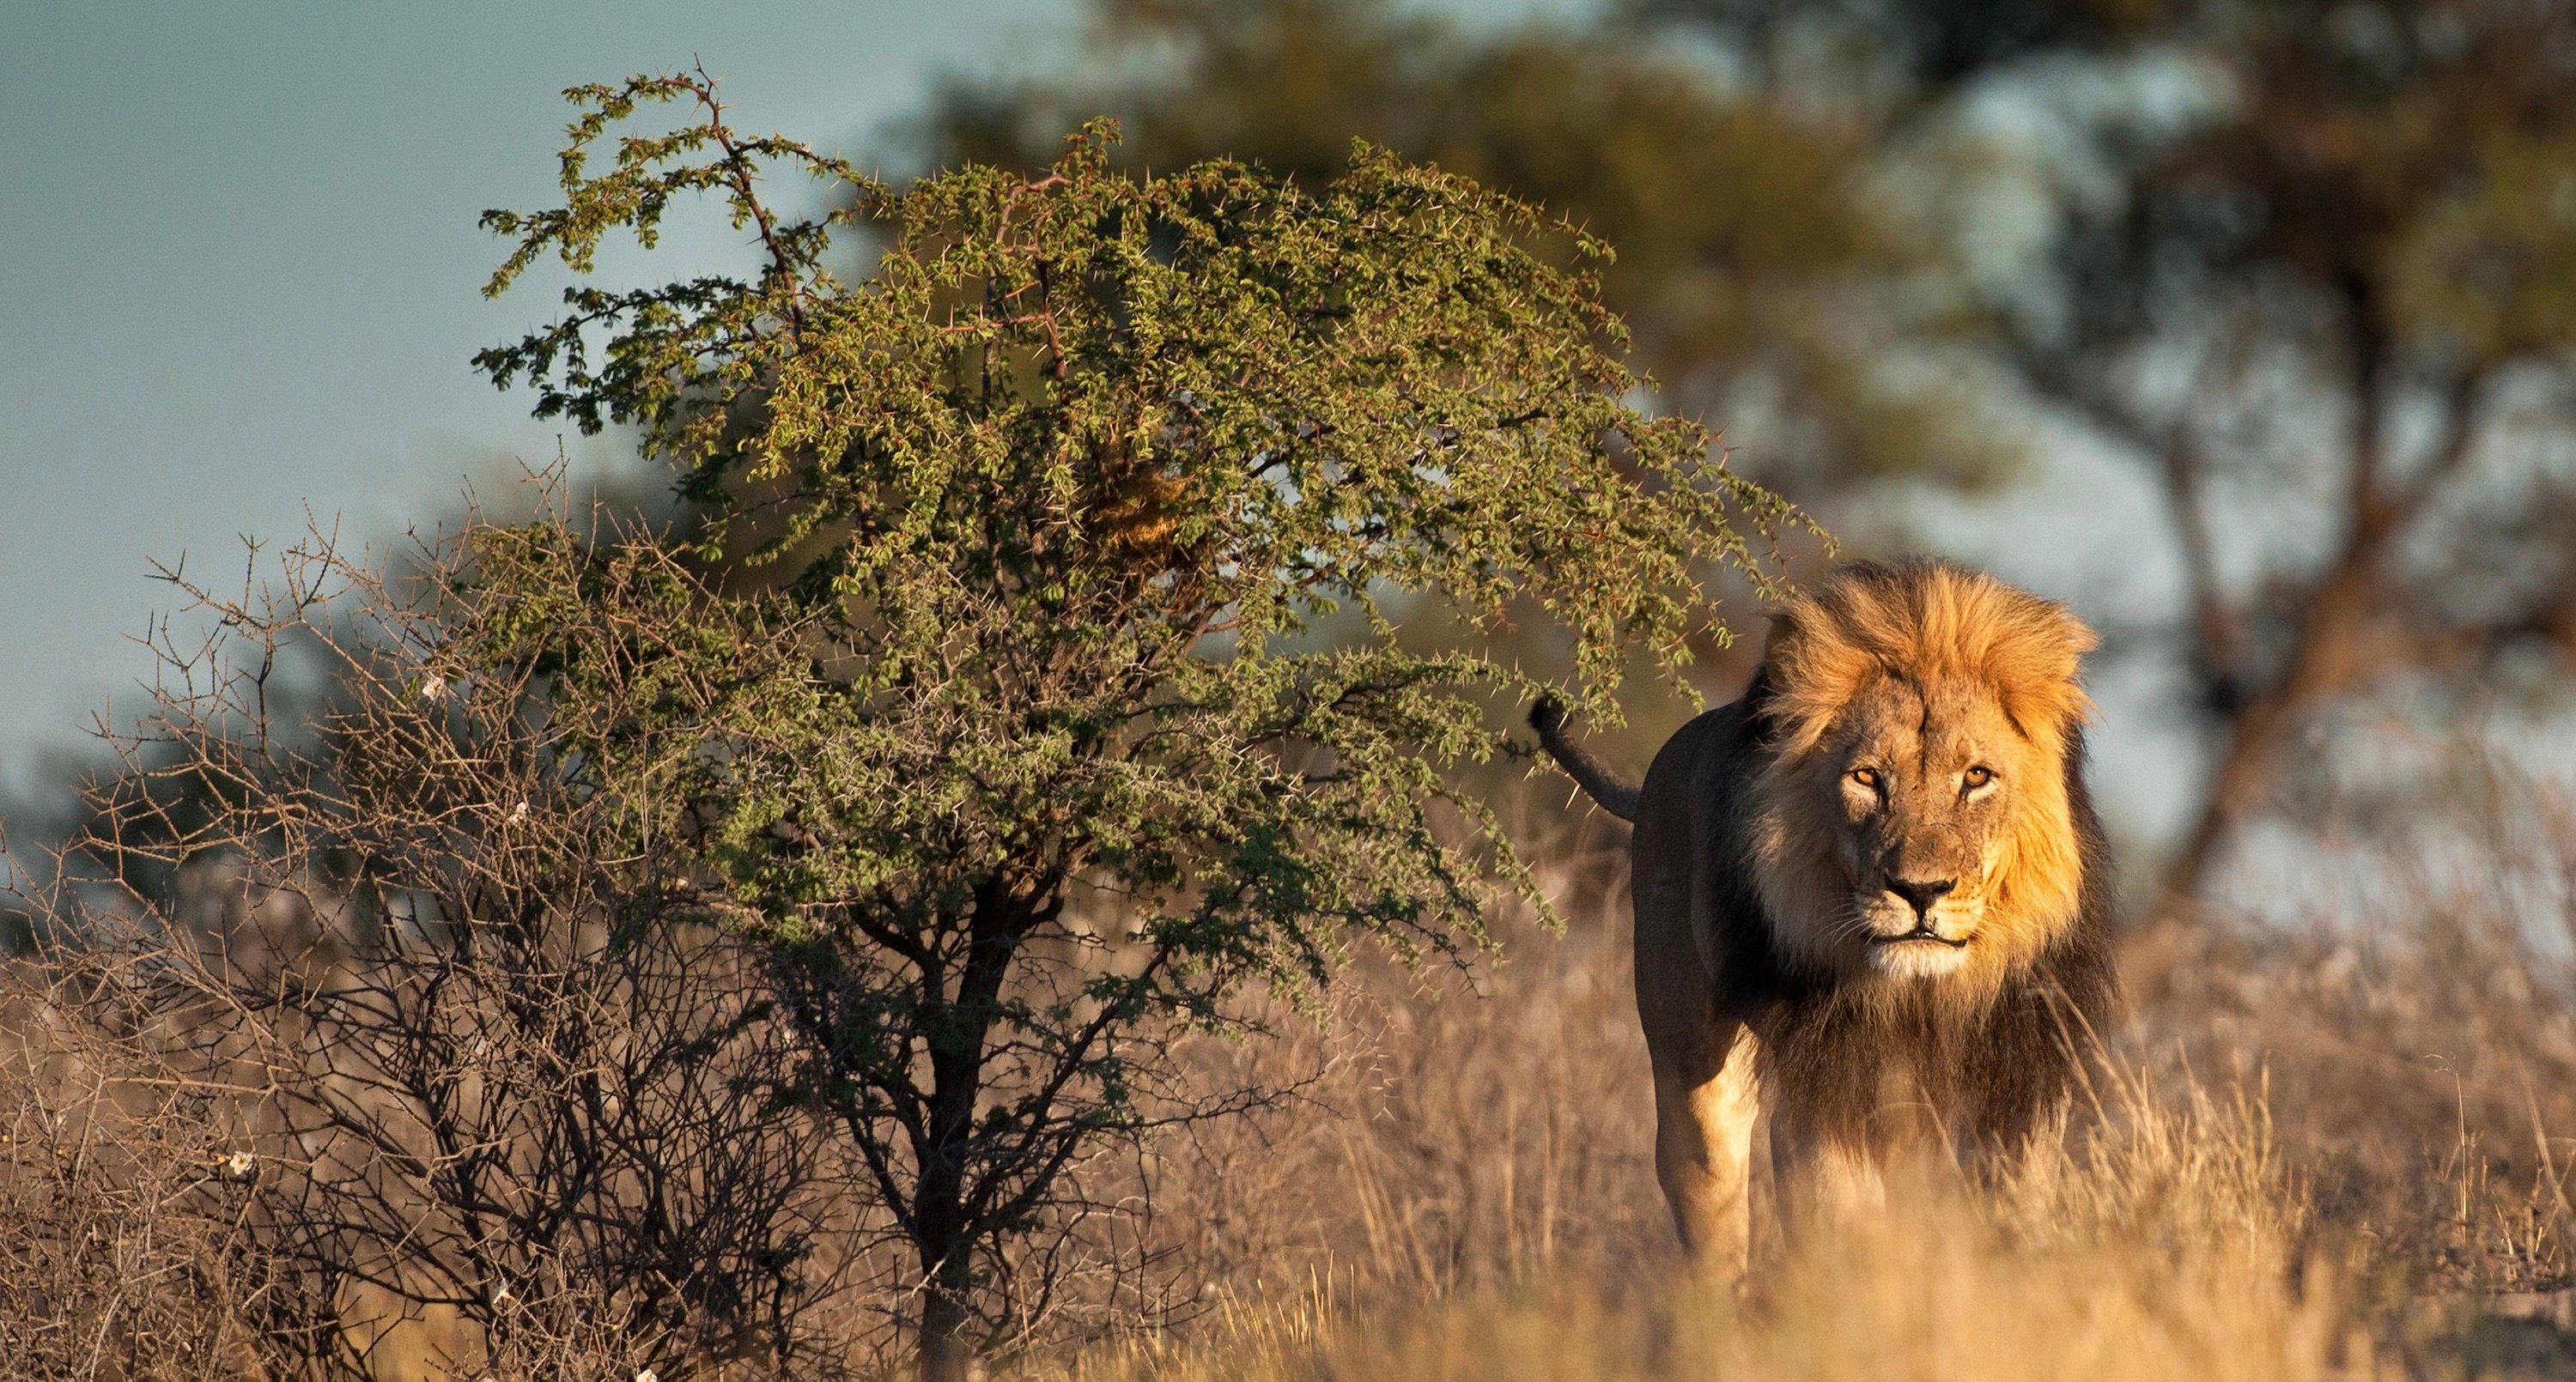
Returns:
point(239, 266)
point(240, 271)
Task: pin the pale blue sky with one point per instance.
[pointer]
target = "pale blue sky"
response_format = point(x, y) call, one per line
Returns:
point(239, 263)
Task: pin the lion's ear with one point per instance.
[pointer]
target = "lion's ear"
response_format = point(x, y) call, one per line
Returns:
point(1816, 668)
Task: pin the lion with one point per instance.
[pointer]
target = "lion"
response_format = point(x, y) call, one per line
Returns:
point(1871, 895)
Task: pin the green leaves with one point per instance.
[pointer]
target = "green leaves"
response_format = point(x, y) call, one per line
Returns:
point(1211, 393)
point(1050, 737)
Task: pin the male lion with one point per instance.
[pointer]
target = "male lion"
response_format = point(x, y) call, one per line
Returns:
point(1874, 889)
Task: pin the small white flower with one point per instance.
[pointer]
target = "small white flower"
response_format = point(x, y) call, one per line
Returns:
point(433, 690)
point(518, 813)
point(239, 1165)
point(646, 1375)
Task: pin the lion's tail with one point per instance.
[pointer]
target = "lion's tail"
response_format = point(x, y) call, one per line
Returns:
point(1615, 795)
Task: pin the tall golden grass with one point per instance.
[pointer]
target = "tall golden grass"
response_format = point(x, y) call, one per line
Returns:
point(2332, 1146)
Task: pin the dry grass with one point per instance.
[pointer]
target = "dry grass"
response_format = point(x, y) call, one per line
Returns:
point(2331, 1150)
point(2165, 1248)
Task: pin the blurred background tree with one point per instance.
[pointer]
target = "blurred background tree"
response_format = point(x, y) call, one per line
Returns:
point(1751, 266)
point(2327, 314)
point(2275, 289)
point(2301, 270)
point(2306, 266)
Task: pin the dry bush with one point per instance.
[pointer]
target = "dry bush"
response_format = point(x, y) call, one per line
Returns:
point(121, 1201)
point(2421, 1067)
point(114, 1246)
point(499, 1098)
point(2415, 1028)
point(217, 1163)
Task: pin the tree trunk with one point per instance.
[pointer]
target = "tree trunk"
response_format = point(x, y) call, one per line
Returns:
point(942, 1231)
point(2328, 659)
point(2234, 789)
point(945, 1354)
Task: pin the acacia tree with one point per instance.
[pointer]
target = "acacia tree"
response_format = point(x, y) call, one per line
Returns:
point(1063, 486)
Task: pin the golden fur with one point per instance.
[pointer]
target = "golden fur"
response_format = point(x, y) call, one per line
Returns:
point(1876, 879)
point(1870, 658)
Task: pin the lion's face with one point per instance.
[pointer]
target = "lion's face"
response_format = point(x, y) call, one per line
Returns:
point(1923, 781)
point(1915, 824)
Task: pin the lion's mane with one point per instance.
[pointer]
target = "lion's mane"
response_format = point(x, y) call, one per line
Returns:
point(1991, 1052)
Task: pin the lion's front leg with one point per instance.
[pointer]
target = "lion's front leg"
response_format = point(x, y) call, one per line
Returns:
point(1821, 1175)
point(1703, 1150)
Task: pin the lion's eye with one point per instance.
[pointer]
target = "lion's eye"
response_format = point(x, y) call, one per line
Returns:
point(1867, 777)
point(1977, 777)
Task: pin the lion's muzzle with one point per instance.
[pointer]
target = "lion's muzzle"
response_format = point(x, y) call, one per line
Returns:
point(1919, 927)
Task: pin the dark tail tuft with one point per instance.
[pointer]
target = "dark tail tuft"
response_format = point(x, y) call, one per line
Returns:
point(1614, 794)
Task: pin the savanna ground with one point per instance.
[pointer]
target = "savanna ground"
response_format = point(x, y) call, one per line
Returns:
point(2326, 1144)
point(2329, 1146)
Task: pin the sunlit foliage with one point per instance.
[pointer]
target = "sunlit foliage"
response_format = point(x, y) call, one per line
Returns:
point(1066, 480)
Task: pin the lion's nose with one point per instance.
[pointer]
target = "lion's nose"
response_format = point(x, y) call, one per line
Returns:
point(1921, 893)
